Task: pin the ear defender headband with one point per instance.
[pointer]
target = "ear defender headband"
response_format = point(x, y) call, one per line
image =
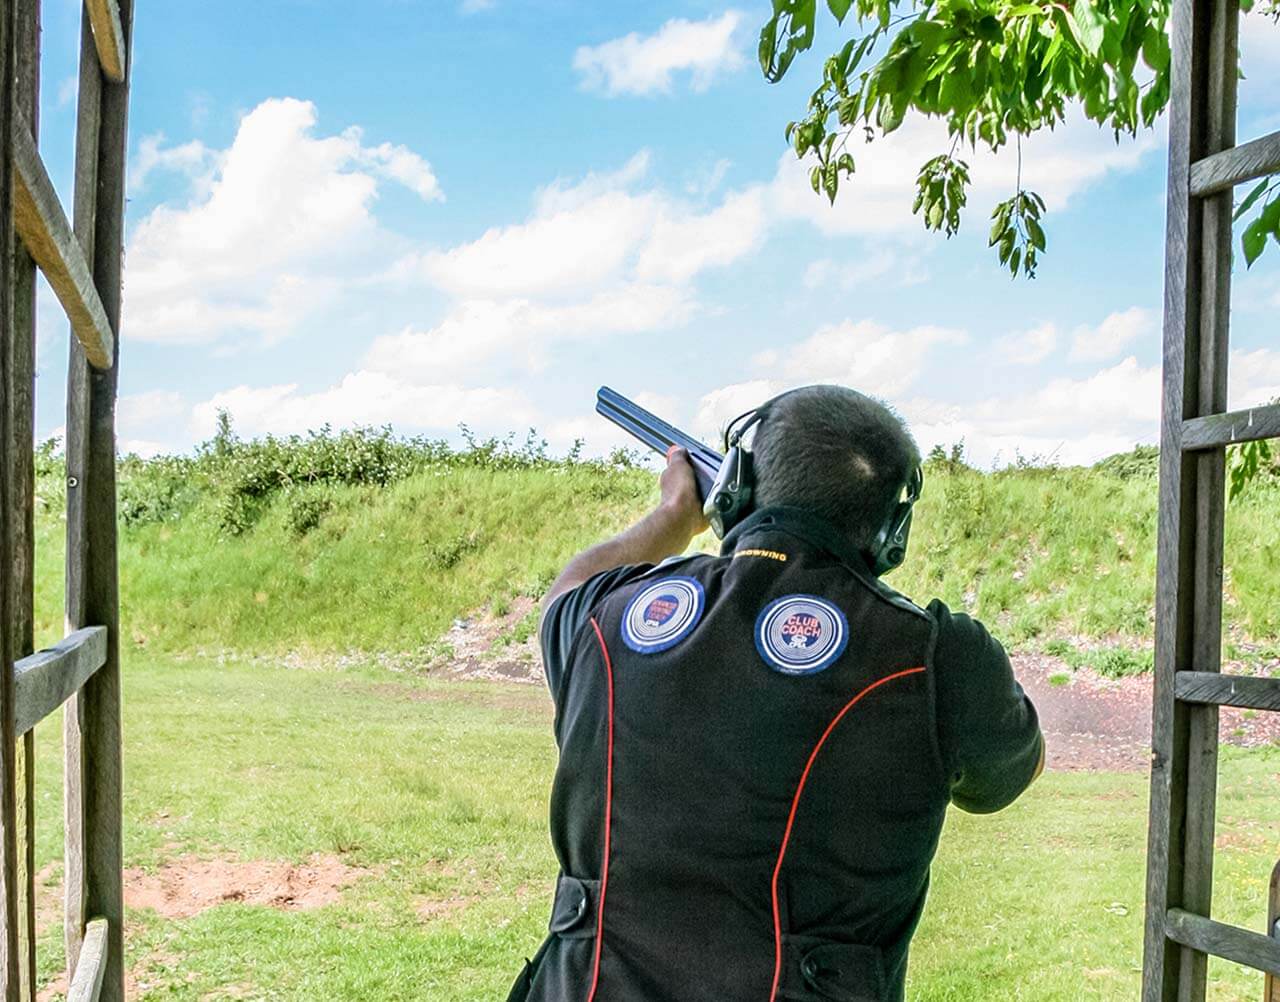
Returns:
point(729, 500)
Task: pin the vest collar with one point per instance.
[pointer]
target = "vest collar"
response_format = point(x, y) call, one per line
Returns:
point(798, 522)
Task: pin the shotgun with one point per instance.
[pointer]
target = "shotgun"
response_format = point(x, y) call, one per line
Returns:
point(660, 436)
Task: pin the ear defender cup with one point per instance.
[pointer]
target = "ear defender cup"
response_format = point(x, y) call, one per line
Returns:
point(890, 548)
point(730, 496)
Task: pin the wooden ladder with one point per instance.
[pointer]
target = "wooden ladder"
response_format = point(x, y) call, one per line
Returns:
point(82, 262)
point(1205, 165)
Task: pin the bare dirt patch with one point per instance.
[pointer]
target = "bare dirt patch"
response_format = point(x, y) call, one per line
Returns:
point(481, 646)
point(1095, 723)
point(188, 885)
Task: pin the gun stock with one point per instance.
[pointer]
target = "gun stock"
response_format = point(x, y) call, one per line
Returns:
point(659, 436)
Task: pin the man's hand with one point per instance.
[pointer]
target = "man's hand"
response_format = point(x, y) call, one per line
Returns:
point(664, 532)
point(679, 492)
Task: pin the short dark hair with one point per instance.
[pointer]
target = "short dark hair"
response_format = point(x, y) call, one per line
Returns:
point(837, 453)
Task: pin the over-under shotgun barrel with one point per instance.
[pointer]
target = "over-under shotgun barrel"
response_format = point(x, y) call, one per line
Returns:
point(659, 436)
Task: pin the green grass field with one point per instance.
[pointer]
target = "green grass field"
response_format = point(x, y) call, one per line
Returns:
point(334, 551)
point(438, 790)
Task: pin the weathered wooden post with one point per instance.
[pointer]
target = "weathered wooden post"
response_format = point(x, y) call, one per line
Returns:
point(83, 267)
point(1204, 166)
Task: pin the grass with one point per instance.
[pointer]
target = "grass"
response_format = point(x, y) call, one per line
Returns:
point(439, 790)
point(313, 546)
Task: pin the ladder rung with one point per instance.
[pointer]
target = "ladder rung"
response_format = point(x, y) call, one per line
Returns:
point(45, 680)
point(1217, 430)
point(1224, 170)
point(1220, 940)
point(108, 37)
point(1227, 690)
point(43, 226)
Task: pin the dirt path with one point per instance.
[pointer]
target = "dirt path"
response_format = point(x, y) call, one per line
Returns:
point(1091, 722)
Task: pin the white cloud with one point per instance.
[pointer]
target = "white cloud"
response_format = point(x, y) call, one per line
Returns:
point(1026, 347)
point(1255, 378)
point(192, 159)
point(1067, 420)
point(877, 199)
point(704, 182)
point(362, 398)
point(862, 353)
point(682, 244)
point(902, 267)
point(717, 408)
point(599, 232)
point(1111, 337)
point(521, 330)
point(277, 234)
point(476, 6)
point(645, 64)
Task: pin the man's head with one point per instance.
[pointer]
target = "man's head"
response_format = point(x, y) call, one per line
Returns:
point(834, 452)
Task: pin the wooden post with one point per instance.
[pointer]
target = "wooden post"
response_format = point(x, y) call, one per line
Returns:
point(1271, 990)
point(10, 518)
point(93, 719)
point(26, 113)
point(1189, 548)
point(88, 119)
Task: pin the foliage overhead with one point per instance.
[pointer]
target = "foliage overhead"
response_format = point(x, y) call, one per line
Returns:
point(993, 71)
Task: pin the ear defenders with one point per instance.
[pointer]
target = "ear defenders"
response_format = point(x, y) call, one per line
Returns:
point(729, 500)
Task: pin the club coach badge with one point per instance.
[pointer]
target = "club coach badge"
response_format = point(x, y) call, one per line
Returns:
point(801, 634)
point(663, 614)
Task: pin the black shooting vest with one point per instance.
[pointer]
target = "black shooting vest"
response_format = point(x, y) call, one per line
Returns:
point(746, 804)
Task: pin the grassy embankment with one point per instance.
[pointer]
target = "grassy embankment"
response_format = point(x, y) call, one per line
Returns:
point(438, 789)
point(359, 543)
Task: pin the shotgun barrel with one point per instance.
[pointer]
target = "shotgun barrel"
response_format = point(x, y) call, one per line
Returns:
point(660, 436)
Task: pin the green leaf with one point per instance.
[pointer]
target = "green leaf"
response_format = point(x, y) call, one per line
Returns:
point(1036, 233)
point(839, 8)
point(768, 46)
point(1253, 240)
point(1088, 27)
point(1250, 199)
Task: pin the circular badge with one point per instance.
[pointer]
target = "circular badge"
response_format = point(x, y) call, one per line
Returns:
point(801, 634)
point(662, 615)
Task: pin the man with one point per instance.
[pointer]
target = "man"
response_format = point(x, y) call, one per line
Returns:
point(757, 749)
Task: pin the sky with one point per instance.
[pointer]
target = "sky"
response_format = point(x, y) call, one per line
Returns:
point(478, 211)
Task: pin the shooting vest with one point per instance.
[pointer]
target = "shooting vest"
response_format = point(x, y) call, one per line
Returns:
point(749, 791)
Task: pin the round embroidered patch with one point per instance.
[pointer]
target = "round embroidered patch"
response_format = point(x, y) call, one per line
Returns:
point(801, 634)
point(662, 615)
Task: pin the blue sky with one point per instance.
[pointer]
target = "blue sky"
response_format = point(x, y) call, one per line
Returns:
point(478, 211)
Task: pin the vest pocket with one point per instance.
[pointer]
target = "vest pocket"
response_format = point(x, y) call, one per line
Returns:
point(816, 970)
point(573, 915)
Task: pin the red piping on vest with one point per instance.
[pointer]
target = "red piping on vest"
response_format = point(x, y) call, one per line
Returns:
point(608, 812)
point(795, 802)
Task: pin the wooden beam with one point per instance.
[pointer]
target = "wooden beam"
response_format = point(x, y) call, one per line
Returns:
point(86, 985)
point(99, 709)
point(1271, 985)
point(9, 533)
point(44, 681)
point(26, 109)
point(1217, 939)
point(1221, 171)
point(108, 37)
point(1216, 430)
point(76, 450)
point(43, 226)
point(1216, 689)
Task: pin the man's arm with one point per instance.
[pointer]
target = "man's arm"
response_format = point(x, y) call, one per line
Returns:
point(664, 532)
point(988, 730)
